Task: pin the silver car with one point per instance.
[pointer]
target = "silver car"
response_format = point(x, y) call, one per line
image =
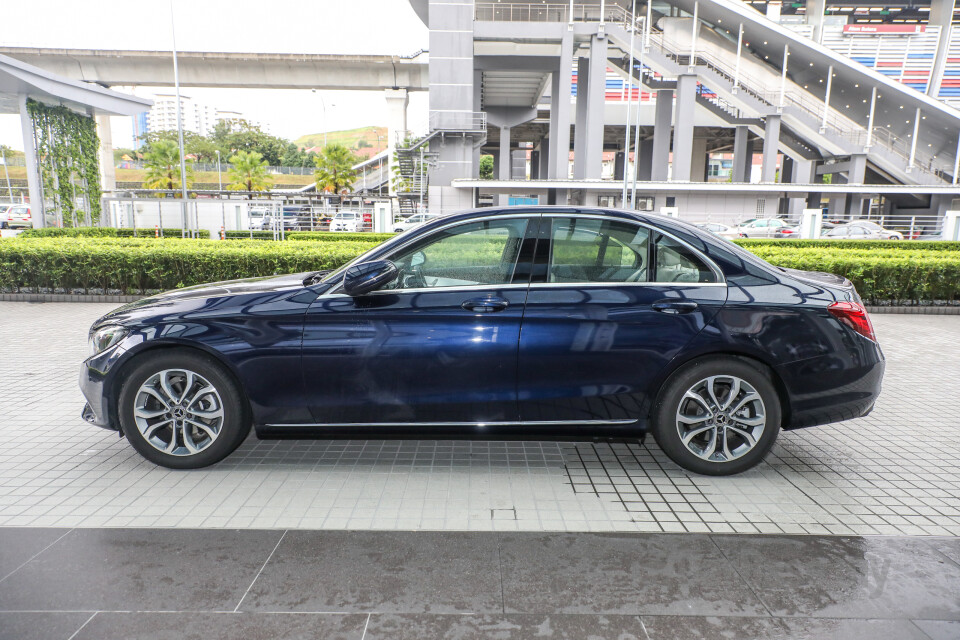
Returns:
point(761, 228)
point(862, 230)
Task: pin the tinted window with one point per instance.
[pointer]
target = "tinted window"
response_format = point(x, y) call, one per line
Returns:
point(678, 263)
point(470, 254)
point(838, 232)
point(593, 250)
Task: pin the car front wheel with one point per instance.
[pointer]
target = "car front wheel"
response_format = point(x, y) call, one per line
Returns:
point(718, 416)
point(181, 410)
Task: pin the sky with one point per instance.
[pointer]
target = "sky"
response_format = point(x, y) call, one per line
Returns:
point(277, 26)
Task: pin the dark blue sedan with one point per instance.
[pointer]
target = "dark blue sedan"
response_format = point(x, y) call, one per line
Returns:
point(519, 323)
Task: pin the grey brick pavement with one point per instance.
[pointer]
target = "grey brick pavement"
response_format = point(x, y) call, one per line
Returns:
point(896, 471)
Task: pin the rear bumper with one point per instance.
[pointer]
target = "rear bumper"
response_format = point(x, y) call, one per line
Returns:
point(834, 387)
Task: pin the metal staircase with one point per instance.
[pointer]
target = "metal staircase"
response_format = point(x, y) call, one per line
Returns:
point(812, 123)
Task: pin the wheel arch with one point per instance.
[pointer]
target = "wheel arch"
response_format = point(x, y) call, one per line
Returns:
point(135, 356)
point(677, 365)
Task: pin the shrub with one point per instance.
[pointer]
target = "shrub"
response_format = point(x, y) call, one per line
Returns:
point(317, 236)
point(866, 245)
point(102, 232)
point(135, 266)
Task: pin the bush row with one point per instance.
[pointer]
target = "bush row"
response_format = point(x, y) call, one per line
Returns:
point(870, 245)
point(102, 232)
point(141, 266)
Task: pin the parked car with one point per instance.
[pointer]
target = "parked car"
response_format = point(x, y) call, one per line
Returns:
point(787, 231)
point(522, 322)
point(345, 221)
point(722, 230)
point(862, 230)
point(15, 216)
point(761, 227)
point(413, 221)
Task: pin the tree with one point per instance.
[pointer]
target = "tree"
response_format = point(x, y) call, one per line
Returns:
point(486, 167)
point(240, 135)
point(162, 161)
point(249, 172)
point(335, 170)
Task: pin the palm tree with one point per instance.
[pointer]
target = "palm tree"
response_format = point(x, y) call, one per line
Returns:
point(335, 170)
point(249, 172)
point(163, 166)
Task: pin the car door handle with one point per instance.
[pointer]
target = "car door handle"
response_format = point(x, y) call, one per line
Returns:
point(485, 305)
point(674, 306)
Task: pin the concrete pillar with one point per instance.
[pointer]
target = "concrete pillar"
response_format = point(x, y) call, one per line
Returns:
point(619, 162)
point(108, 169)
point(505, 164)
point(580, 121)
point(477, 107)
point(771, 144)
point(596, 101)
point(30, 158)
point(699, 163)
point(661, 135)
point(535, 164)
point(803, 172)
point(814, 16)
point(397, 101)
point(643, 159)
point(853, 206)
point(941, 14)
point(742, 154)
point(683, 127)
point(559, 145)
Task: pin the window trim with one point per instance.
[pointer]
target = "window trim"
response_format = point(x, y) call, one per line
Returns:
point(718, 274)
point(533, 218)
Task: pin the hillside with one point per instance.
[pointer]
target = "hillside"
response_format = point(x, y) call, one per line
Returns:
point(362, 141)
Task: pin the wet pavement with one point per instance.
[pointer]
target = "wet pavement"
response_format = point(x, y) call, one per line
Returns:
point(187, 583)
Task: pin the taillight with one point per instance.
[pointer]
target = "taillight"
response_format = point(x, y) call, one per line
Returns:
point(854, 316)
point(787, 231)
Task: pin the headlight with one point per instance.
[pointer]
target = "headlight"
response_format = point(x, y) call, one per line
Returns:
point(105, 337)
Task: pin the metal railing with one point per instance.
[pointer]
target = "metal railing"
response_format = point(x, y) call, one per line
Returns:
point(460, 121)
point(553, 12)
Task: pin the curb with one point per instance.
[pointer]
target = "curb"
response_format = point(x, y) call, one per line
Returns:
point(920, 310)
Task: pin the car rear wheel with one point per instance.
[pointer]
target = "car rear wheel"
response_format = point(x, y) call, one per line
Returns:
point(181, 410)
point(718, 416)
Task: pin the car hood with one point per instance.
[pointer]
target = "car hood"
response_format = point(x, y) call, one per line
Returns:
point(197, 296)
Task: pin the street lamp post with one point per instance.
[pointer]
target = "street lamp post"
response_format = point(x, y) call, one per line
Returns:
point(223, 211)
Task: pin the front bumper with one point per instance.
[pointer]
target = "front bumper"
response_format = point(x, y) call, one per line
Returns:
point(93, 383)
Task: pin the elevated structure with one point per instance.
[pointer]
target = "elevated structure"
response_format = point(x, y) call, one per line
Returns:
point(706, 78)
point(20, 81)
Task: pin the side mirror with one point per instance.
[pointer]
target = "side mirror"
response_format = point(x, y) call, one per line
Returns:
point(369, 276)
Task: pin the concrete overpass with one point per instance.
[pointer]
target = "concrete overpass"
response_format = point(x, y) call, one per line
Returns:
point(231, 70)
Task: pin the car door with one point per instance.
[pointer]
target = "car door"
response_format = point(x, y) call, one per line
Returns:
point(439, 344)
point(600, 324)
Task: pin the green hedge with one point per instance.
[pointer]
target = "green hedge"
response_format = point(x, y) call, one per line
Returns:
point(866, 245)
point(134, 266)
point(101, 232)
point(882, 274)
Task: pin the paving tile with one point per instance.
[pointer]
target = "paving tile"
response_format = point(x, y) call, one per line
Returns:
point(710, 628)
point(939, 629)
point(223, 626)
point(40, 626)
point(140, 569)
point(870, 577)
point(620, 574)
point(395, 572)
point(19, 545)
point(504, 627)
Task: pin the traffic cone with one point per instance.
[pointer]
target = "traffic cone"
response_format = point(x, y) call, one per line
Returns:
point(223, 234)
point(156, 231)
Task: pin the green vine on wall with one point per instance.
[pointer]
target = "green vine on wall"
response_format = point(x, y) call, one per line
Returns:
point(67, 146)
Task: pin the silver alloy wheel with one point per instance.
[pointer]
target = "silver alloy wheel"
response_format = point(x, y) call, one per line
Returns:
point(178, 412)
point(721, 418)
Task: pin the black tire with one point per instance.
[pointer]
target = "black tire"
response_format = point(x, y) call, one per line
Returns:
point(665, 423)
point(3, 225)
point(236, 420)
